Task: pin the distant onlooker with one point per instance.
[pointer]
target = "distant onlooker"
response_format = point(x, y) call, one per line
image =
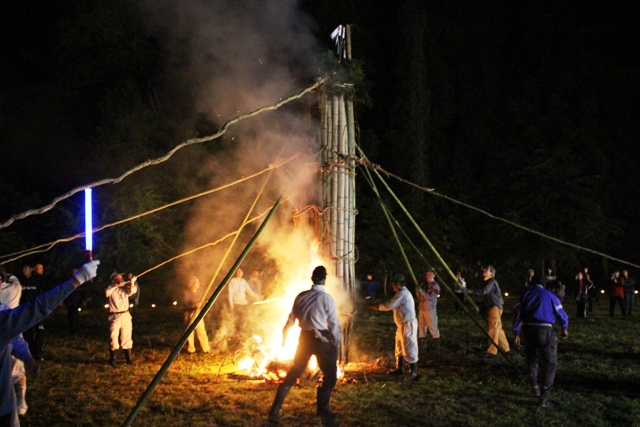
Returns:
point(530, 274)
point(582, 286)
point(617, 294)
point(629, 291)
point(550, 280)
point(191, 298)
point(37, 284)
point(370, 286)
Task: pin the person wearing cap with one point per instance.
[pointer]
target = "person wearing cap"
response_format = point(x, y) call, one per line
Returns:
point(533, 318)
point(427, 302)
point(120, 325)
point(404, 316)
point(317, 317)
point(15, 321)
point(494, 304)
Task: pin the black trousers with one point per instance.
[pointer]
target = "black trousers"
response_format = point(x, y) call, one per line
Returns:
point(35, 338)
point(326, 353)
point(541, 354)
point(612, 305)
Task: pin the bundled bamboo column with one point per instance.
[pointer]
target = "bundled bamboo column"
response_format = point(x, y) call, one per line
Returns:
point(337, 188)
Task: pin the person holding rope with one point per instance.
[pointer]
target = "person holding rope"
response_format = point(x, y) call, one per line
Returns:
point(120, 324)
point(404, 316)
point(427, 315)
point(317, 316)
point(494, 304)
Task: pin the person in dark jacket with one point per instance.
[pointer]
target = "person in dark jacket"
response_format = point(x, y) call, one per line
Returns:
point(582, 286)
point(617, 294)
point(533, 319)
point(629, 291)
point(494, 304)
point(35, 286)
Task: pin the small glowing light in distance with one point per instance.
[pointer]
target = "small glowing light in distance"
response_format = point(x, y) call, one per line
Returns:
point(506, 294)
point(153, 306)
point(602, 291)
point(130, 305)
point(106, 306)
point(79, 309)
point(175, 303)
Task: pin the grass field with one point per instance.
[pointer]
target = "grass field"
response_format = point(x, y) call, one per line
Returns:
point(597, 383)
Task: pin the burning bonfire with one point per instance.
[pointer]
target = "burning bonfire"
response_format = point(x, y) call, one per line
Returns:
point(267, 357)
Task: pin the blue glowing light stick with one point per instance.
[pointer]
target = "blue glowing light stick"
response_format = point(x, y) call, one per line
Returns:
point(88, 224)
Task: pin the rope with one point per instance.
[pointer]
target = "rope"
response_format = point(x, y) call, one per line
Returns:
point(164, 158)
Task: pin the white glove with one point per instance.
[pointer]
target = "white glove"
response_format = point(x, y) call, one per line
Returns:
point(87, 272)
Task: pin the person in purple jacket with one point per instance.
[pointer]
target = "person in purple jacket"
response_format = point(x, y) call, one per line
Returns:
point(533, 318)
point(14, 321)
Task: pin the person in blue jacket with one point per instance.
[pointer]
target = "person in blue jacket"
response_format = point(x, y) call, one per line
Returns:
point(14, 321)
point(533, 318)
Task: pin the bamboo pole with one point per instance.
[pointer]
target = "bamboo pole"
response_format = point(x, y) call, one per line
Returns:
point(334, 181)
point(342, 192)
point(145, 396)
point(369, 179)
point(352, 178)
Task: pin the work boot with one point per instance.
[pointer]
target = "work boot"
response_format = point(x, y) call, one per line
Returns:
point(281, 393)
point(324, 412)
point(127, 355)
point(399, 370)
point(413, 374)
point(112, 358)
point(544, 397)
point(437, 343)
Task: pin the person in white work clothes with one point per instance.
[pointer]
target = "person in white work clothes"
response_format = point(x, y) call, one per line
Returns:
point(120, 324)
